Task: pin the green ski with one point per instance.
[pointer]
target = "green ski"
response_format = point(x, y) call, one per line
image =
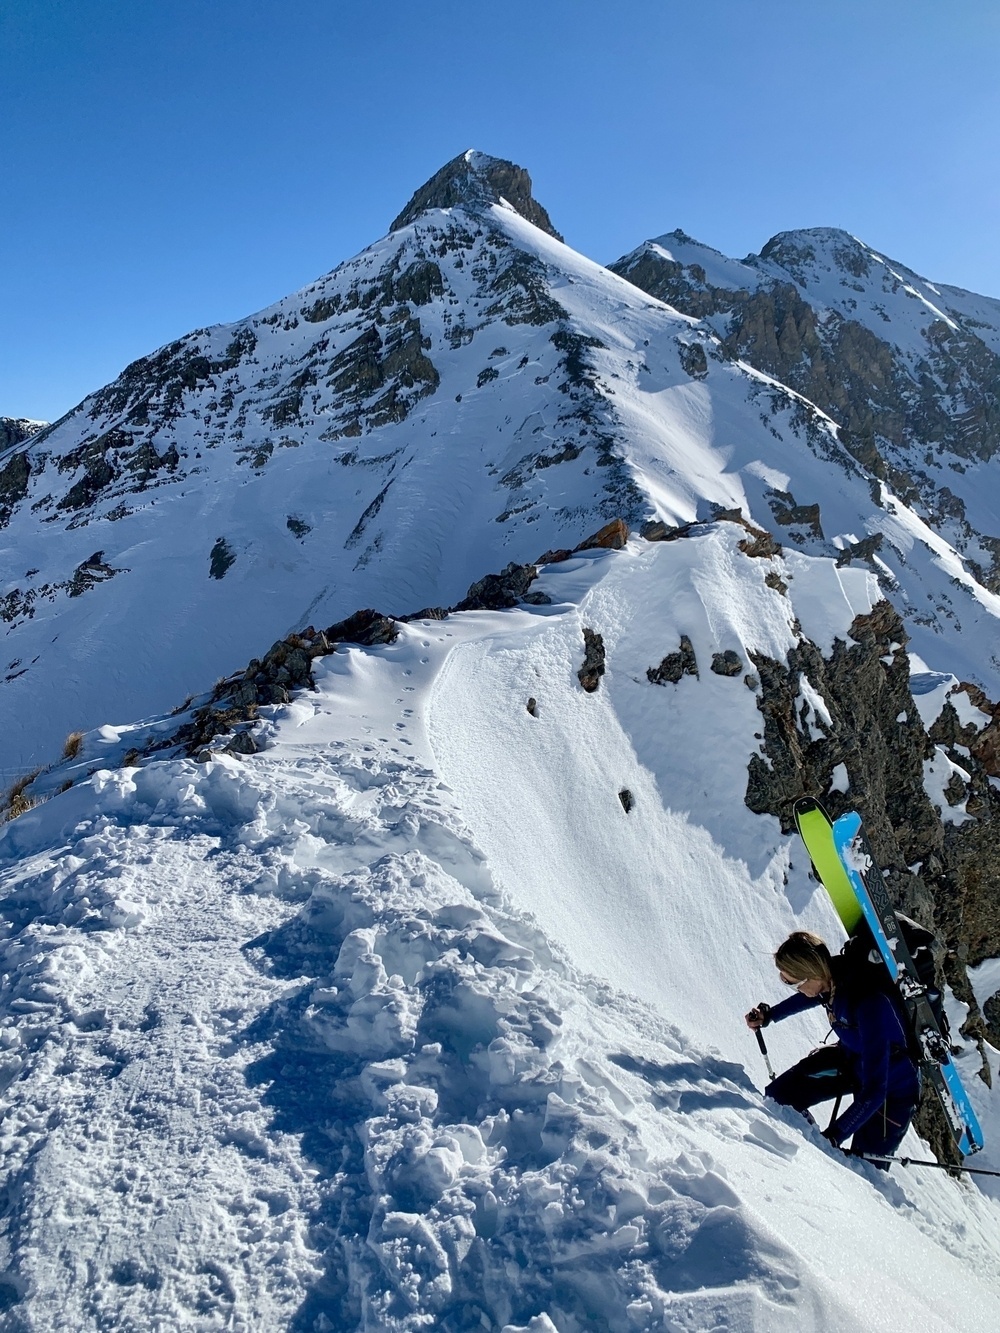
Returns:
point(816, 831)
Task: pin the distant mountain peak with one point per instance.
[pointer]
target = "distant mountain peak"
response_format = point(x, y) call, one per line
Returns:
point(15, 430)
point(791, 248)
point(814, 235)
point(476, 180)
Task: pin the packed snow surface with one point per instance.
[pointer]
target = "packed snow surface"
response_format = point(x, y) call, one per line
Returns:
point(404, 1023)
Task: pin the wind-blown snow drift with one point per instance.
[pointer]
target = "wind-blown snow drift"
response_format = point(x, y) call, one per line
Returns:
point(404, 1023)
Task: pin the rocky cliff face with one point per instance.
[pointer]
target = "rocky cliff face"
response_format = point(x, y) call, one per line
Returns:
point(910, 371)
point(15, 470)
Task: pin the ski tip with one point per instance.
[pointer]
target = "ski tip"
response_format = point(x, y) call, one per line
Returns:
point(846, 827)
point(807, 805)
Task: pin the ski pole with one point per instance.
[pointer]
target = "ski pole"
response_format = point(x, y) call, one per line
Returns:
point(915, 1161)
point(763, 1050)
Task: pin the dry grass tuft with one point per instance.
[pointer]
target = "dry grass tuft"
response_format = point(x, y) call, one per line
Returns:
point(72, 746)
point(16, 802)
point(21, 784)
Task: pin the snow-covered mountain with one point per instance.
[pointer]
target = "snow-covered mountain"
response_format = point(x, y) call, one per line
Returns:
point(909, 369)
point(466, 392)
point(395, 981)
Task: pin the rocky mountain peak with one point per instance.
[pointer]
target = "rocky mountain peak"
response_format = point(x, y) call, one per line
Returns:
point(476, 180)
point(14, 430)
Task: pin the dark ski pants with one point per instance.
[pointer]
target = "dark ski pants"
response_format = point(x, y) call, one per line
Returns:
point(829, 1073)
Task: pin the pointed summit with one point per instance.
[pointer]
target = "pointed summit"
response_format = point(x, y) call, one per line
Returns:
point(476, 180)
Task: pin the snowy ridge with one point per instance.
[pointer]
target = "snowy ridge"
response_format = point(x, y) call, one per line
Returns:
point(406, 1023)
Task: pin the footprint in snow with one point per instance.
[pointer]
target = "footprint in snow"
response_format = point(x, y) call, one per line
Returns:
point(766, 1136)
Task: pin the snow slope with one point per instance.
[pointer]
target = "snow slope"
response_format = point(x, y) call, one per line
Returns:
point(465, 392)
point(405, 1023)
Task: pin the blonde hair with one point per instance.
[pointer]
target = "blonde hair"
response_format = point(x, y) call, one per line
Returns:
point(804, 957)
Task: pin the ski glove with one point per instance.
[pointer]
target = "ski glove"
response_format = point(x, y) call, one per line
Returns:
point(760, 1016)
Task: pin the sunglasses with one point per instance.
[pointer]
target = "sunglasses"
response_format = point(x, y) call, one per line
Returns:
point(797, 984)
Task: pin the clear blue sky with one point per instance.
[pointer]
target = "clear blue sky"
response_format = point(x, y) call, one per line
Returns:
point(174, 163)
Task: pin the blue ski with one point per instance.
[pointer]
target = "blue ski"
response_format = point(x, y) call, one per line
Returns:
point(936, 1064)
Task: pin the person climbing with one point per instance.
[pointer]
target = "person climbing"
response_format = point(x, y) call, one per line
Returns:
point(871, 1060)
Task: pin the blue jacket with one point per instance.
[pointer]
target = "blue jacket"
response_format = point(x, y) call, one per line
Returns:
point(872, 1032)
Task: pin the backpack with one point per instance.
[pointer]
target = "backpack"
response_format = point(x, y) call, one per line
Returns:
point(864, 970)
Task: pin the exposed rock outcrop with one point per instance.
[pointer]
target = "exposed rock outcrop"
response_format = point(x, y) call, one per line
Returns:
point(14, 476)
point(221, 558)
point(594, 666)
point(91, 571)
point(866, 550)
point(286, 666)
point(655, 530)
point(475, 180)
point(675, 665)
point(693, 360)
point(727, 663)
point(367, 628)
point(498, 591)
point(612, 537)
point(792, 515)
point(114, 462)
